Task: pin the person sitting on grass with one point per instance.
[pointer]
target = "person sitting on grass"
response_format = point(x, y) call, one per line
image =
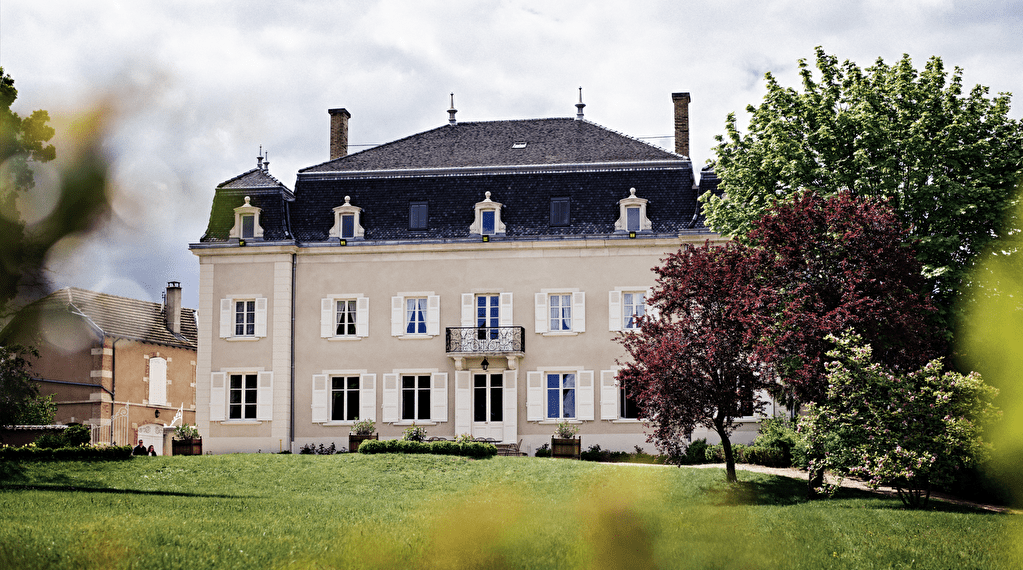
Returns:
point(139, 449)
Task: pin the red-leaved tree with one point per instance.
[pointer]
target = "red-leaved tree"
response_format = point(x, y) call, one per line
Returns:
point(692, 365)
point(834, 263)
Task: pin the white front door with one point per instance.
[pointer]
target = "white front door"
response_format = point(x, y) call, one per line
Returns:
point(488, 404)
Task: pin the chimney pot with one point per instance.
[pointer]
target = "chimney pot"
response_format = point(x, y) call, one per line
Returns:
point(681, 101)
point(172, 307)
point(452, 111)
point(579, 106)
point(339, 132)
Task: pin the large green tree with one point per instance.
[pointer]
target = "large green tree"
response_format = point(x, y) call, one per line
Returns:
point(21, 139)
point(947, 160)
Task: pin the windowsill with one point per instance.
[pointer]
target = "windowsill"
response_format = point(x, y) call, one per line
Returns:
point(415, 336)
point(553, 422)
point(338, 424)
point(343, 338)
point(242, 338)
point(560, 333)
point(240, 422)
point(415, 422)
point(627, 421)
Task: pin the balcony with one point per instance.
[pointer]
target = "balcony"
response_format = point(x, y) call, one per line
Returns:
point(483, 341)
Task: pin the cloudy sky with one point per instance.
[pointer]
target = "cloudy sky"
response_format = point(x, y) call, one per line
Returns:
point(199, 86)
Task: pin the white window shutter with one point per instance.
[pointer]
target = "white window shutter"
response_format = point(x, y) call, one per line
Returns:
point(362, 316)
point(218, 397)
point(265, 396)
point(321, 399)
point(397, 316)
point(584, 395)
point(328, 326)
point(463, 402)
point(608, 395)
point(579, 311)
point(468, 310)
point(614, 310)
point(540, 318)
point(650, 308)
point(368, 397)
point(505, 319)
point(511, 403)
point(389, 405)
point(157, 380)
point(433, 315)
point(439, 397)
point(226, 318)
point(261, 316)
point(534, 396)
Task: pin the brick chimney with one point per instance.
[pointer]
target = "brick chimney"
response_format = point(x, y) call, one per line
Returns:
point(681, 101)
point(338, 132)
point(172, 307)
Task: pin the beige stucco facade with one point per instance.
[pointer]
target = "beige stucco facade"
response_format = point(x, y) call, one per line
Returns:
point(521, 274)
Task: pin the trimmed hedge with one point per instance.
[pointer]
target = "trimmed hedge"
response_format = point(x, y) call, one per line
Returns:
point(768, 457)
point(473, 449)
point(82, 453)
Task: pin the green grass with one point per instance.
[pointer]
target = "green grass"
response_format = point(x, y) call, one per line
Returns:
point(395, 511)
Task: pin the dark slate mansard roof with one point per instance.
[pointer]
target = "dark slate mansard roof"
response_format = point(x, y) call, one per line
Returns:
point(265, 192)
point(453, 166)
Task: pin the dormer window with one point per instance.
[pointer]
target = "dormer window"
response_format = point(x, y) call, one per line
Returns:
point(346, 221)
point(559, 211)
point(418, 215)
point(488, 218)
point(632, 214)
point(246, 222)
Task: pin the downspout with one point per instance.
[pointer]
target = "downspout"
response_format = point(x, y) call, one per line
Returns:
point(291, 429)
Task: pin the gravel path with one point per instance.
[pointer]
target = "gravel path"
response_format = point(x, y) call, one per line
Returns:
point(847, 483)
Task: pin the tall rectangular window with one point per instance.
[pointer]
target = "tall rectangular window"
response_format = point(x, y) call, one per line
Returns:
point(561, 312)
point(344, 398)
point(487, 218)
point(559, 211)
point(415, 397)
point(560, 396)
point(248, 226)
point(415, 315)
point(632, 219)
point(488, 398)
point(627, 406)
point(417, 215)
point(346, 317)
point(245, 318)
point(242, 397)
point(488, 316)
point(632, 309)
point(347, 226)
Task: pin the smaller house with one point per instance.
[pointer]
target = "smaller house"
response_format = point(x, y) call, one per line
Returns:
point(123, 366)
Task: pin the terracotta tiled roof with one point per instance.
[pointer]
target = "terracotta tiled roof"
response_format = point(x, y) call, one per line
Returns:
point(122, 317)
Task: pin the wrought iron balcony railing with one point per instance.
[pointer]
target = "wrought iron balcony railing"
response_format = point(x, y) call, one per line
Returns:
point(486, 340)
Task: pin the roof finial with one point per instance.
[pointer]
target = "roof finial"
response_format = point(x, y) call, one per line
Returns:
point(266, 162)
point(579, 106)
point(259, 159)
point(452, 111)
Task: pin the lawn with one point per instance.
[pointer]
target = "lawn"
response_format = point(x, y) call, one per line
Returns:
point(395, 511)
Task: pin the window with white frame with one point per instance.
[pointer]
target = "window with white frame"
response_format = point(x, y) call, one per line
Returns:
point(246, 222)
point(241, 395)
point(415, 396)
point(415, 315)
point(561, 393)
point(157, 380)
point(343, 397)
point(626, 308)
point(632, 214)
point(344, 316)
point(346, 221)
point(488, 218)
point(243, 317)
point(560, 311)
point(633, 308)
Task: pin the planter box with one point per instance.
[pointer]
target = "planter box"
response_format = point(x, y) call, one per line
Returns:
point(566, 448)
point(186, 446)
point(355, 440)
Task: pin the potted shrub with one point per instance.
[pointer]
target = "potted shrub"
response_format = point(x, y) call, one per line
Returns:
point(564, 443)
point(361, 431)
point(186, 441)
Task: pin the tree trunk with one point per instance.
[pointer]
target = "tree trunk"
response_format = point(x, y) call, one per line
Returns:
point(726, 446)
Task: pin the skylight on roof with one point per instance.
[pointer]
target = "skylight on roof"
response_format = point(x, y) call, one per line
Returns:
point(519, 145)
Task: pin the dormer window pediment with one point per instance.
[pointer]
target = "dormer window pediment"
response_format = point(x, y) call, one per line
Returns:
point(488, 218)
point(246, 222)
point(347, 222)
point(632, 214)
